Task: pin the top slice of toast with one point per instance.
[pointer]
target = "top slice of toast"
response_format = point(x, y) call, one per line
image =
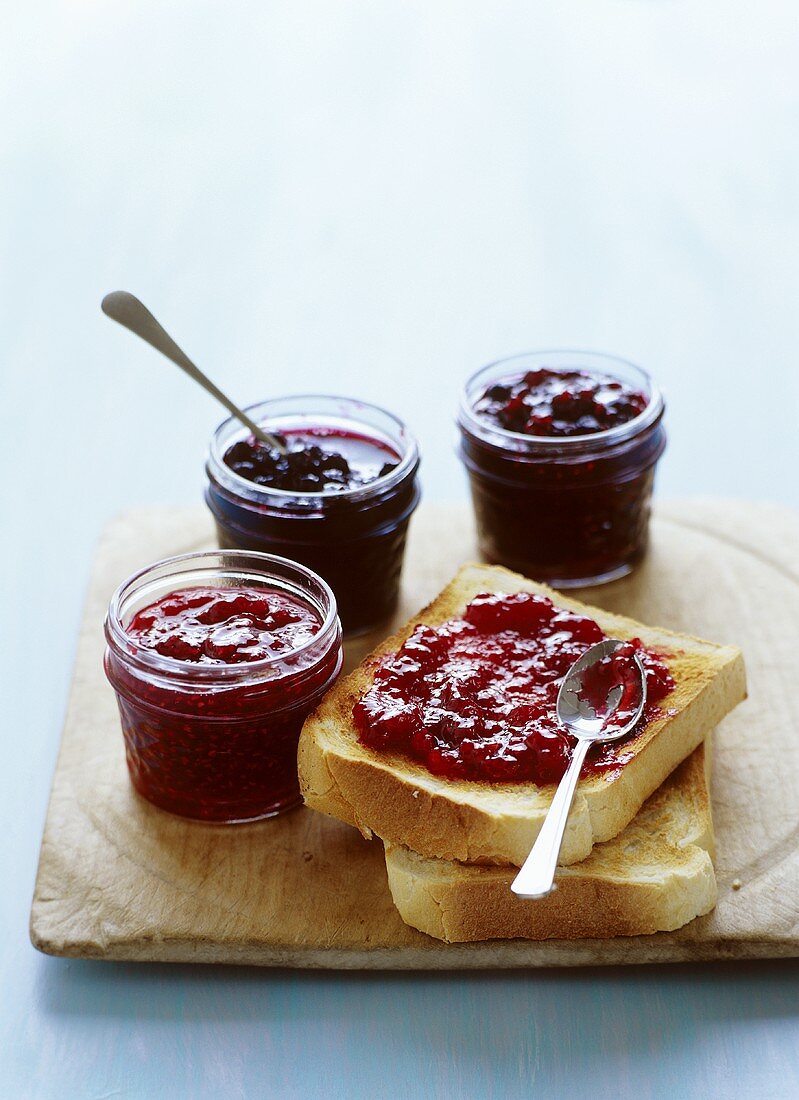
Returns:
point(398, 799)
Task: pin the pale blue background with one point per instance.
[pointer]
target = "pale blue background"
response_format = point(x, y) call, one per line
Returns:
point(374, 196)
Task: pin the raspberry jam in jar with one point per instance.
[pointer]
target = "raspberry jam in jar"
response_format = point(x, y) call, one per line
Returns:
point(339, 500)
point(560, 448)
point(475, 698)
point(217, 658)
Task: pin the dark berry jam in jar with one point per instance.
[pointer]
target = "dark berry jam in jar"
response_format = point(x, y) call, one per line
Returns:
point(339, 500)
point(560, 448)
point(217, 658)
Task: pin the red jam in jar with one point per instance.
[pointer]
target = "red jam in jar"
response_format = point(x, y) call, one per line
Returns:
point(217, 659)
point(560, 449)
point(475, 697)
point(339, 501)
point(224, 626)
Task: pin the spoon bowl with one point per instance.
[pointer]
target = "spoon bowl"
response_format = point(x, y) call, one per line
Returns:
point(577, 709)
point(594, 705)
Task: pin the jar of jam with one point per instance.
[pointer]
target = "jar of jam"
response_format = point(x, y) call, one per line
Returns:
point(560, 448)
point(217, 658)
point(339, 500)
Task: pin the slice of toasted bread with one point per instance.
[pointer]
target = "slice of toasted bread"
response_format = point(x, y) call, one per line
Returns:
point(655, 876)
point(402, 802)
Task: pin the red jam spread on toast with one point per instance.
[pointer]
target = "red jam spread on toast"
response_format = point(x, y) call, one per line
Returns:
point(474, 698)
point(559, 403)
point(224, 626)
point(317, 460)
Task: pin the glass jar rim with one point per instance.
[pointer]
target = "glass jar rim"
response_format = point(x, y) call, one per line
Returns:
point(254, 562)
point(249, 490)
point(502, 437)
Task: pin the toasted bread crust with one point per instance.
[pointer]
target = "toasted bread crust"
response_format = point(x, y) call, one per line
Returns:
point(399, 800)
point(655, 876)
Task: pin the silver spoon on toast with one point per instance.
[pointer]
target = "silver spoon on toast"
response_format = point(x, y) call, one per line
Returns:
point(602, 697)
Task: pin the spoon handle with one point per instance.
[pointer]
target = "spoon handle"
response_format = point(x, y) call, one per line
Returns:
point(537, 876)
point(127, 310)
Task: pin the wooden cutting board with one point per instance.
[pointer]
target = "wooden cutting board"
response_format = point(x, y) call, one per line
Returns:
point(119, 879)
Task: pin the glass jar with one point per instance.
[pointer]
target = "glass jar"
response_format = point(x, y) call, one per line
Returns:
point(354, 538)
point(219, 742)
point(572, 510)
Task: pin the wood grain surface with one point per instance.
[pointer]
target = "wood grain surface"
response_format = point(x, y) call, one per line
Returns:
point(119, 879)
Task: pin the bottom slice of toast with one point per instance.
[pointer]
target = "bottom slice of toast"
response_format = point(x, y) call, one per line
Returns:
point(655, 876)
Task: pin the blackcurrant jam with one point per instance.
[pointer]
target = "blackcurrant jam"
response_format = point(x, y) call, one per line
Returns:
point(217, 659)
point(560, 449)
point(475, 698)
point(338, 500)
point(314, 460)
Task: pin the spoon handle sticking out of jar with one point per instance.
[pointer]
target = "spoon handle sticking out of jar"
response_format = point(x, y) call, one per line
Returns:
point(128, 311)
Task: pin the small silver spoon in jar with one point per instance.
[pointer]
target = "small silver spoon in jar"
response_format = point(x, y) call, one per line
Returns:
point(590, 724)
point(127, 310)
